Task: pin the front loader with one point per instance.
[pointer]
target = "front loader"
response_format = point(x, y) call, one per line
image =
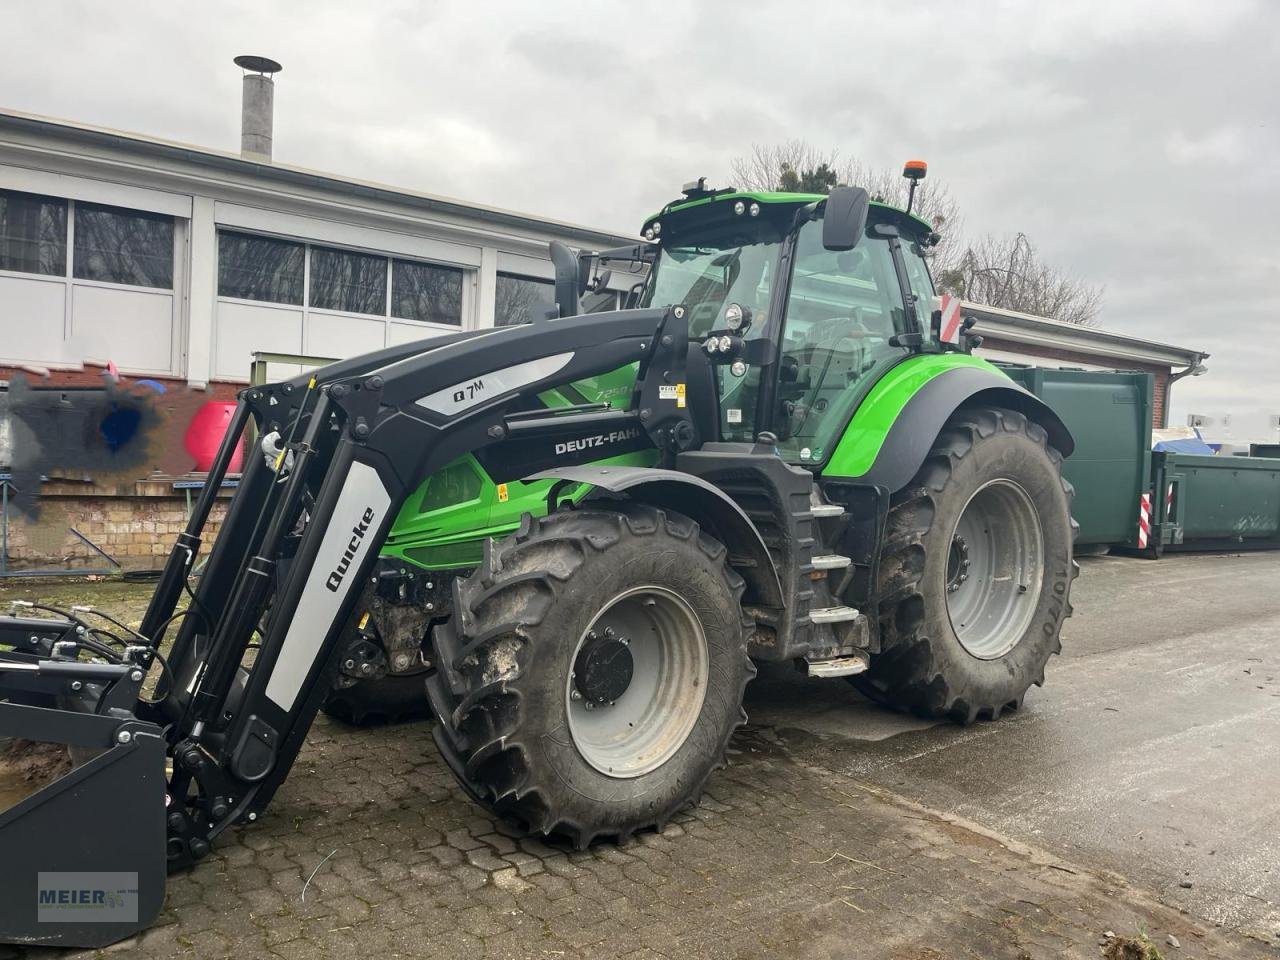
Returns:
point(569, 540)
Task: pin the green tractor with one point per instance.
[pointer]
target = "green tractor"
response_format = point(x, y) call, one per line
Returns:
point(577, 535)
point(908, 497)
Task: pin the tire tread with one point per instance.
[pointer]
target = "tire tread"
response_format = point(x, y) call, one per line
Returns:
point(477, 706)
point(903, 674)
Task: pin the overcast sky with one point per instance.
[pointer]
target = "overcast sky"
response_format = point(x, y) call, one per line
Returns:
point(1135, 142)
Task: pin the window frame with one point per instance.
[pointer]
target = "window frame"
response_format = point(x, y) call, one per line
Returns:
point(460, 270)
point(467, 272)
point(66, 237)
point(217, 268)
point(67, 276)
point(175, 269)
point(338, 311)
point(174, 294)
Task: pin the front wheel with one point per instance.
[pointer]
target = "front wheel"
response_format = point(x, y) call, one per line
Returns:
point(976, 570)
point(593, 671)
point(394, 698)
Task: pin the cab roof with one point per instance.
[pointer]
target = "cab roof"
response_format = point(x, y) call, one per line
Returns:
point(779, 201)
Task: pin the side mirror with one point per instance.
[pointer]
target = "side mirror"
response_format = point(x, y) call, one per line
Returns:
point(601, 281)
point(845, 218)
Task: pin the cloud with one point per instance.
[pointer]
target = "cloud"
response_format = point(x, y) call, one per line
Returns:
point(1224, 145)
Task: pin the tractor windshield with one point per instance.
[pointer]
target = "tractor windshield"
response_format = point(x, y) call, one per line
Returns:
point(717, 266)
point(729, 264)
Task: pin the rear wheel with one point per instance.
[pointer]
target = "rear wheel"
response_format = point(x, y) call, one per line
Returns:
point(975, 575)
point(593, 671)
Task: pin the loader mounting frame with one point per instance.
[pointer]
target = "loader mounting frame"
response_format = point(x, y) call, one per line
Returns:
point(298, 544)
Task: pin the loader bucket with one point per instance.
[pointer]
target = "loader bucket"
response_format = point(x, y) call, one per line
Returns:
point(82, 860)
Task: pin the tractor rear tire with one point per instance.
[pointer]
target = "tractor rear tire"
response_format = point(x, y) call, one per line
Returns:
point(975, 574)
point(370, 703)
point(592, 674)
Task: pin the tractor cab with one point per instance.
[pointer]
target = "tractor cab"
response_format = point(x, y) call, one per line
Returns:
point(797, 324)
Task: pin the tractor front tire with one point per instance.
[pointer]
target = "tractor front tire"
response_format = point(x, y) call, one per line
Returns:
point(975, 574)
point(592, 674)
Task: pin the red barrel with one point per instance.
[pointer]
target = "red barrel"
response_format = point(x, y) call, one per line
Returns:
point(205, 433)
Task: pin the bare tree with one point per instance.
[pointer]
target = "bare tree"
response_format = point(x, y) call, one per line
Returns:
point(1005, 273)
point(762, 169)
point(798, 165)
point(1008, 273)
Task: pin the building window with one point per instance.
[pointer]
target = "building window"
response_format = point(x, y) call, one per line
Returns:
point(516, 297)
point(427, 292)
point(350, 282)
point(33, 234)
point(123, 246)
point(260, 268)
point(253, 267)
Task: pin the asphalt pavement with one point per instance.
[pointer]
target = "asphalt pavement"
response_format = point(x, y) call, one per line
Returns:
point(1153, 750)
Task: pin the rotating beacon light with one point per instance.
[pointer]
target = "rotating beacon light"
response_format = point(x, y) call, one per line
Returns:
point(914, 170)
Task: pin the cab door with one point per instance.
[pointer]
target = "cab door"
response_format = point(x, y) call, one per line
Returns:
point(843, 311)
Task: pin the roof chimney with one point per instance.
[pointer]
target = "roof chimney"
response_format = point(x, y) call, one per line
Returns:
point(257, 106)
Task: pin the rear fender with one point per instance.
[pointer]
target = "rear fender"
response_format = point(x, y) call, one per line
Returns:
point(699, 500)
point(898, 422)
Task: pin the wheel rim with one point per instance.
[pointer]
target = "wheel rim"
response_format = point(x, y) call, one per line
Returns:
point(995, 568)
point(628, 729)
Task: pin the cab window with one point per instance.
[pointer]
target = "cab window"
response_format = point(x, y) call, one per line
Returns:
point(921, 283)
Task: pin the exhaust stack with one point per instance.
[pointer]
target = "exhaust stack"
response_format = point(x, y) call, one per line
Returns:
point(257, 106)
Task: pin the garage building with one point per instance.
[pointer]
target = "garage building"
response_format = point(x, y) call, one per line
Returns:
point(177, 263)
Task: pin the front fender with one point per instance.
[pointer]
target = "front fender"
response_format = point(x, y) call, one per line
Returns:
point(699, 500)
point(896, 425)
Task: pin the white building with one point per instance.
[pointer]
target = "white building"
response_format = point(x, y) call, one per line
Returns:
point(178, 262)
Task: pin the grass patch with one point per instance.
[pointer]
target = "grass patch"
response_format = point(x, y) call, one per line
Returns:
point(1132, 948)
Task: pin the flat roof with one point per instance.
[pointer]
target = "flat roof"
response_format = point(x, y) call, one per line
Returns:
point(229, 162)
point(1032, 331)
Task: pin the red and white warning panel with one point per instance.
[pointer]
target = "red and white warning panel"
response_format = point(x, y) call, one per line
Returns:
point(949, 329)
point(1144, 520)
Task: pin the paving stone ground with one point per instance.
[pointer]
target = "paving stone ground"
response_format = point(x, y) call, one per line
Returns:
point(783, 858)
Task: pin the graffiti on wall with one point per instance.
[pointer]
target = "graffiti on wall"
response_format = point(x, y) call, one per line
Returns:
point(112, 434)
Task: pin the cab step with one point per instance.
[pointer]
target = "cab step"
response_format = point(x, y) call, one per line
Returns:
point(831, 561)
point(833, 614)
point(819, 509)
point(837, 666)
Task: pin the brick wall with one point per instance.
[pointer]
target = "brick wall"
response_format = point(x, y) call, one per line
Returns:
point(1159, 374)
point(136, 528)
point(134, 521)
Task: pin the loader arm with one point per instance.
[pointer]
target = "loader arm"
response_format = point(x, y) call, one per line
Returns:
point(252, 659)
